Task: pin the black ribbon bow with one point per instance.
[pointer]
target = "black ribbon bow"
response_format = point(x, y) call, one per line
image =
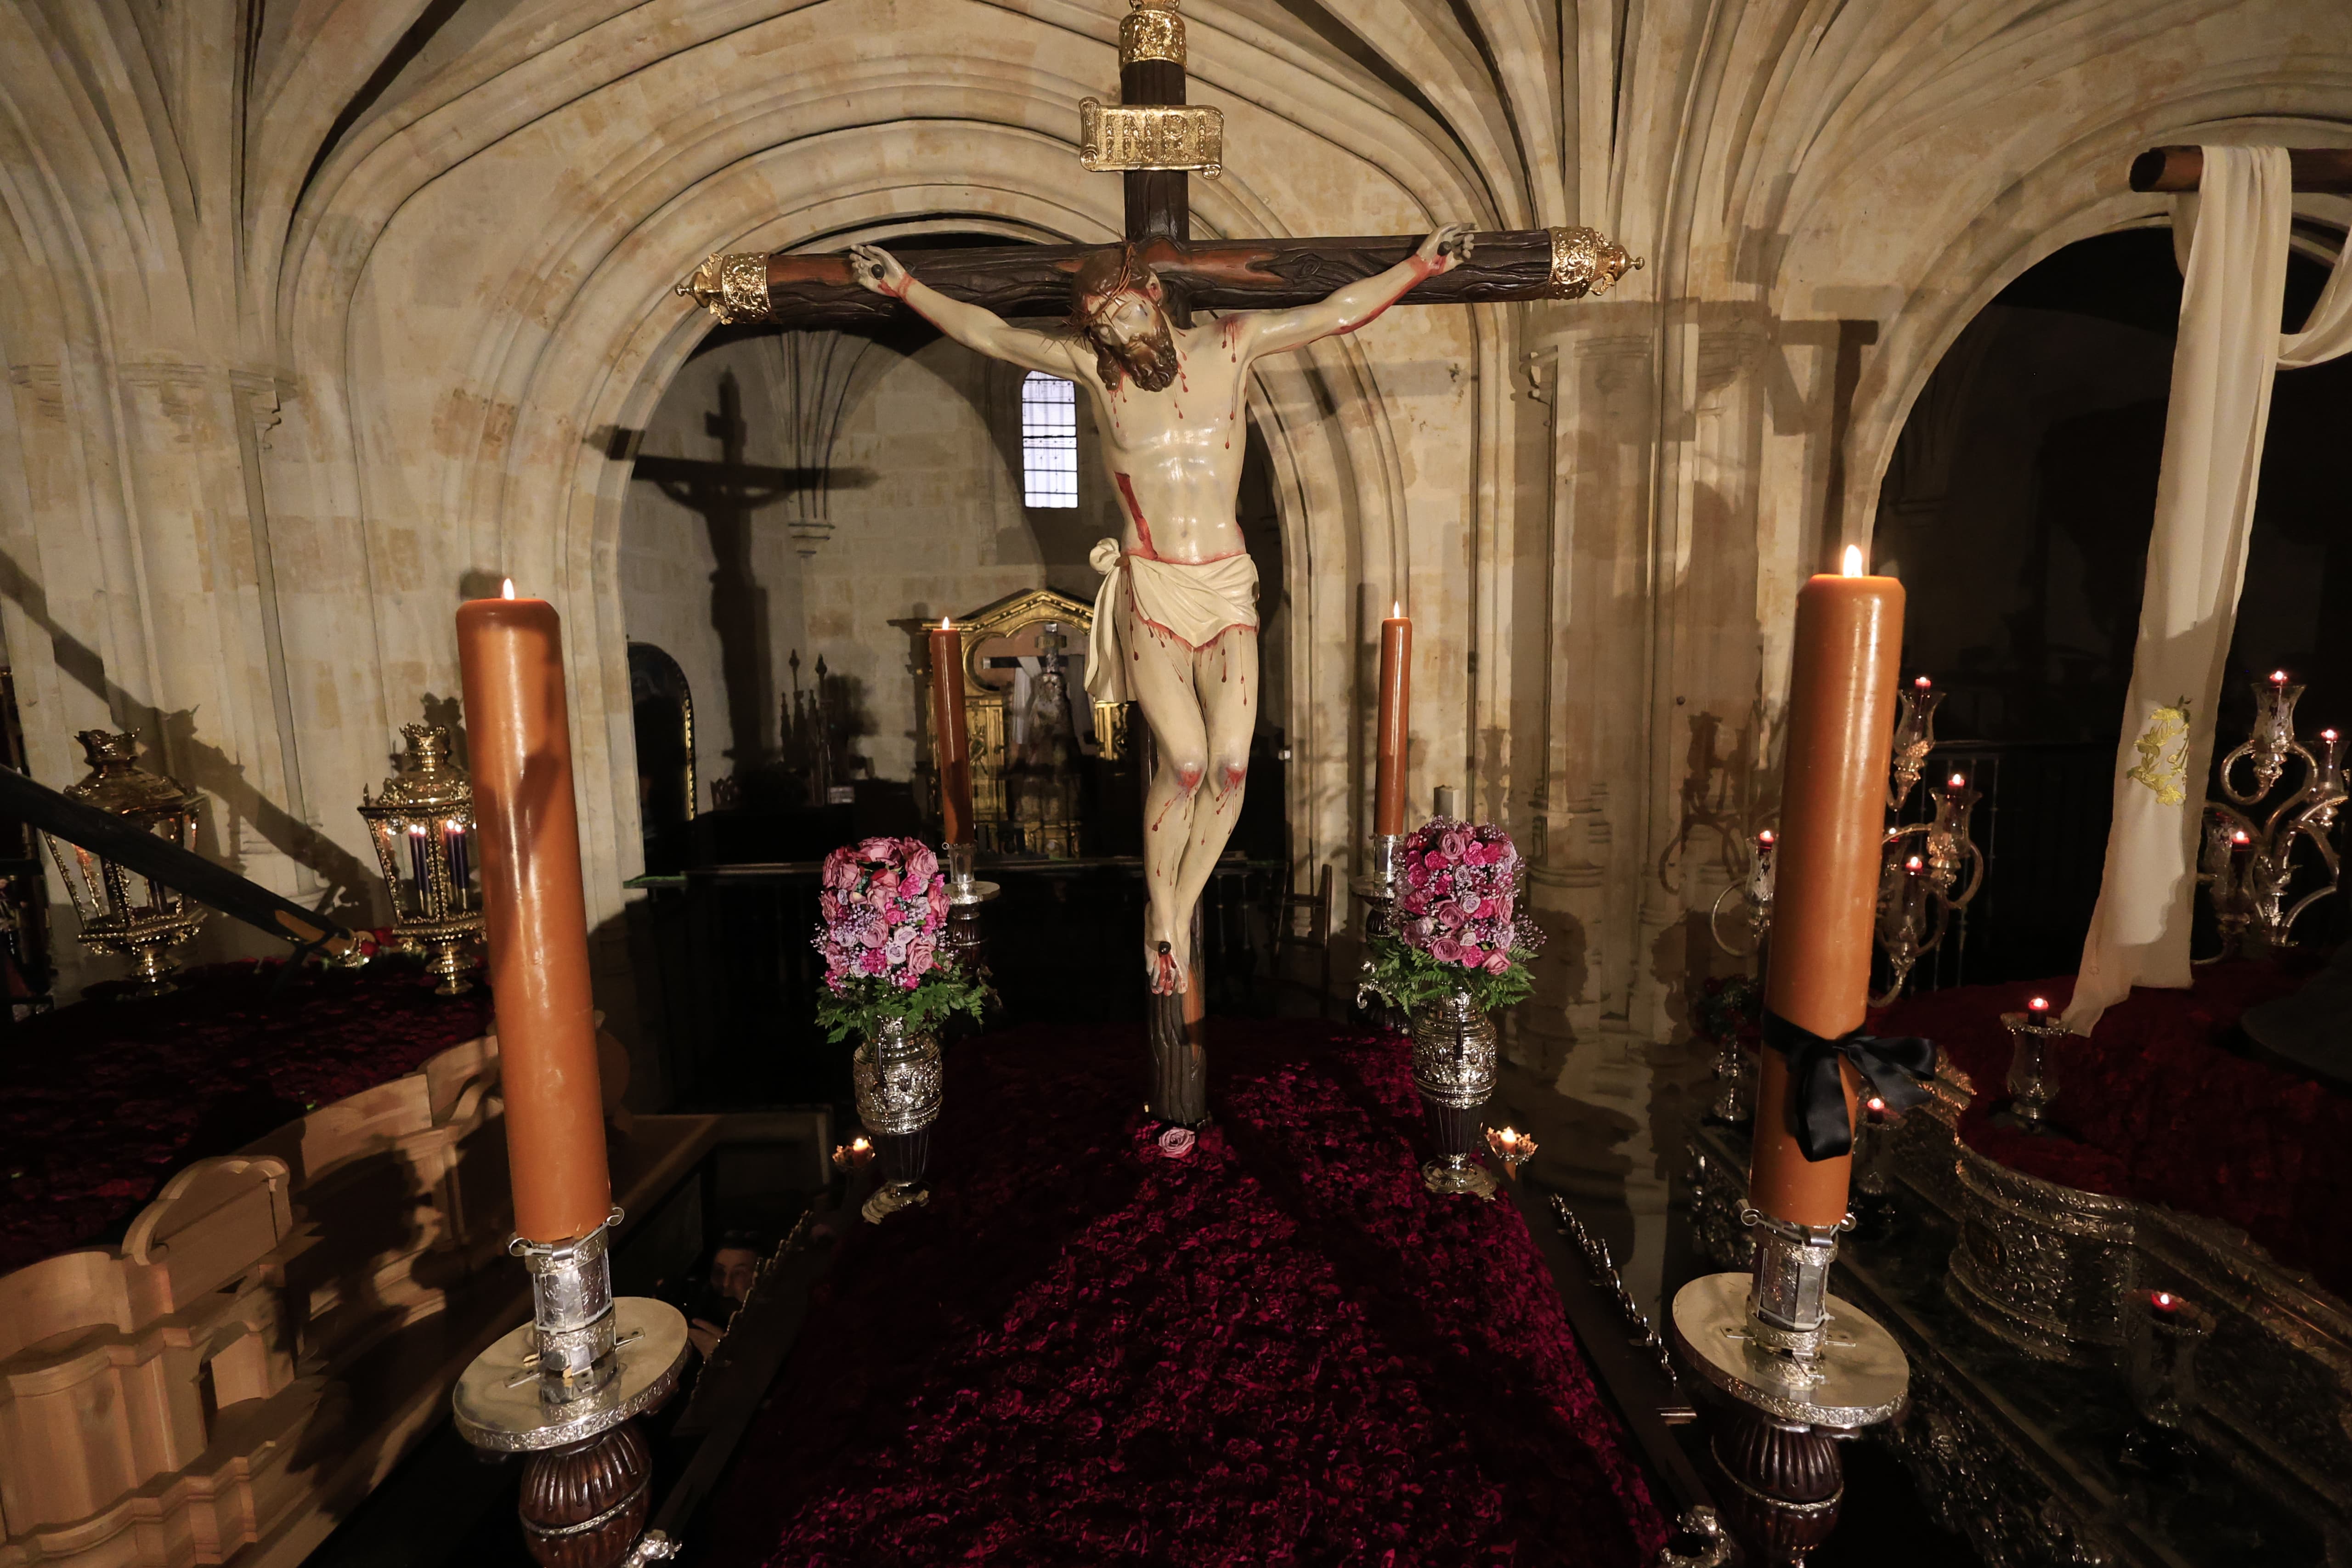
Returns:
point(1893, 1068)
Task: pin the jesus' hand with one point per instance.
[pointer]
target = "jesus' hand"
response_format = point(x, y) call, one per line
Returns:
point(877, 271)
point(1447, 248)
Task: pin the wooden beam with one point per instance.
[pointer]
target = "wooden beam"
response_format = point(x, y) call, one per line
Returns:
point(1159, 201)
point(132, 847)
point(2316, 169)
point(804, 291)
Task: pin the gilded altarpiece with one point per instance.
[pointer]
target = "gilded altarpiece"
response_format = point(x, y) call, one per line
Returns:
point(1014, 626)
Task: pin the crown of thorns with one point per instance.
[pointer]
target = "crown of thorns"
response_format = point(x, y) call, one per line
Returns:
point(1129, 279)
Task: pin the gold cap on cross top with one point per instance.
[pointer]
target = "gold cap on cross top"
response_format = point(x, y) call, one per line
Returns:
point(1152, 31)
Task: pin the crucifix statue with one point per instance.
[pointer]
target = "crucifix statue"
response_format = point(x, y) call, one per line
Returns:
point(1176, 623)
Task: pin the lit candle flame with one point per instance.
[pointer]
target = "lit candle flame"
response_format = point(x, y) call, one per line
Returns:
point(947, 623)
point(417, 828)
point(860, 1145)
point(2328, 736)
point(1854, 560)
point(2163, 1300)
point(1396, 609)
point(1877, 1106)
point(2240, 837)
point(1959, 782)
point(2278, 678)
point(2039, 1005)
point(1914, 864)
point(1923, 683)
point(506, 587)
point(1766, 838)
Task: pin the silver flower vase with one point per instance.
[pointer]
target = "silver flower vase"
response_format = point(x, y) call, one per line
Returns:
point(1453, 1068)
point(898, 1083)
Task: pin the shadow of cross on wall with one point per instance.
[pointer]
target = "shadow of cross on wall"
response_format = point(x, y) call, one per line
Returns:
point(727, 493)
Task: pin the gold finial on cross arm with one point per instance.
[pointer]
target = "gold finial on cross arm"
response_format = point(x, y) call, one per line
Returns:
point(1585, 261)
point(731, 287)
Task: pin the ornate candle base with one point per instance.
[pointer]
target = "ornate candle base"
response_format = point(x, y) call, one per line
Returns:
point(900, 1087)
point(1453, 1068)
point(451, 956)
point(965, 943)
point(564, 1388)
point(1797, 1368)
point(1378, 890)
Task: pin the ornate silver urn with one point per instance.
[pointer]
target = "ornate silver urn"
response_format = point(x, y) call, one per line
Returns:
point(897, 1074)
point(1453, 1068)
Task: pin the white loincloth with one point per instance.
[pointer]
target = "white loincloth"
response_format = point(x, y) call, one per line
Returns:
point(1192, 602)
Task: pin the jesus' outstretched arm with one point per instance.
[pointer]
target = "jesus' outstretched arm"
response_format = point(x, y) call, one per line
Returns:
point(1358, 304)
point(976, 328)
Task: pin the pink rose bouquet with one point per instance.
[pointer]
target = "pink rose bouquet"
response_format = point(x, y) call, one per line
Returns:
point(1456, 925)
point(885, 903)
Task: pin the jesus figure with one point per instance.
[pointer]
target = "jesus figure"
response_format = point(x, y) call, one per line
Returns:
point(1176, 620)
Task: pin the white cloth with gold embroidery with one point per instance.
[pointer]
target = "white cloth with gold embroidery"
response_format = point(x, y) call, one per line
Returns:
point(1192, 603)
point(2234, 236)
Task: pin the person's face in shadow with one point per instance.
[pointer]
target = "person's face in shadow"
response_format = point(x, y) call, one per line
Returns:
point(732, 1269)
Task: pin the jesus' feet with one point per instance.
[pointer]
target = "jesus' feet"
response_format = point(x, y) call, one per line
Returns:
point(1165, 966)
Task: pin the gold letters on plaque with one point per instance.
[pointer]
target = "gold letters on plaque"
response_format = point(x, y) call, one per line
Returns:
point(1145, 136)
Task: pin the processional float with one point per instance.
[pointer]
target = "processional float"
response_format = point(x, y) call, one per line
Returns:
point(1156, 140)
point(565, 1387)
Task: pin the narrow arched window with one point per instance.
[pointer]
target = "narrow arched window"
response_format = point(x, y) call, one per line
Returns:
point(1049, 440)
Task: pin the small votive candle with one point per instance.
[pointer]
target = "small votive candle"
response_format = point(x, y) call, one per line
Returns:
point(1512, 1147)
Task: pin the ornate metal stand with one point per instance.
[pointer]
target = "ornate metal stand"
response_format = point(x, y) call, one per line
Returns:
point(965, 941)
point(563, 1389)
point(900, 1087)
point(1378, 891)
point(1180, 1056)
point(1797, 1368)
point(1453, 1068)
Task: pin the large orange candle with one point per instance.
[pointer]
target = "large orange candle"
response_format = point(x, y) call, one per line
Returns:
point(1396, 703)
point(1849, 634)
point(951, 743)
point(527, 832)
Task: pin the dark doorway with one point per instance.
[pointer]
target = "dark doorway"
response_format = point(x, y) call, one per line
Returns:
point(663, 709)
point(2017, 510)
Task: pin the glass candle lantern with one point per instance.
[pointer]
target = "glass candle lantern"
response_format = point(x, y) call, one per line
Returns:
point(122, 911)
point(423, 824)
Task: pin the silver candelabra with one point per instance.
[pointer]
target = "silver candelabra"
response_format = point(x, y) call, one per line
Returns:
point(1931, 872)
point(2248, 860)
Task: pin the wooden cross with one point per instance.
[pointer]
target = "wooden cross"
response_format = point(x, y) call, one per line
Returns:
point(812, 291)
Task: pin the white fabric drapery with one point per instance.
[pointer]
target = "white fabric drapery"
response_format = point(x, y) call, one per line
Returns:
point(2235, 232)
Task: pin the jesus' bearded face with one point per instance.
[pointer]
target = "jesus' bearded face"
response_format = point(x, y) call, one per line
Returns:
point(1131, 336)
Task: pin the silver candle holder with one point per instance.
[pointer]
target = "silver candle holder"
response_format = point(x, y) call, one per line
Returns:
point(1379, 888)
point(563, 1388)
point(1803, 1368)
point(2032, 1081)
point(965, 943)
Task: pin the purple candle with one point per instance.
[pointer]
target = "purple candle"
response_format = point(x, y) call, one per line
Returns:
point(453, 840)
point(416, 852)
